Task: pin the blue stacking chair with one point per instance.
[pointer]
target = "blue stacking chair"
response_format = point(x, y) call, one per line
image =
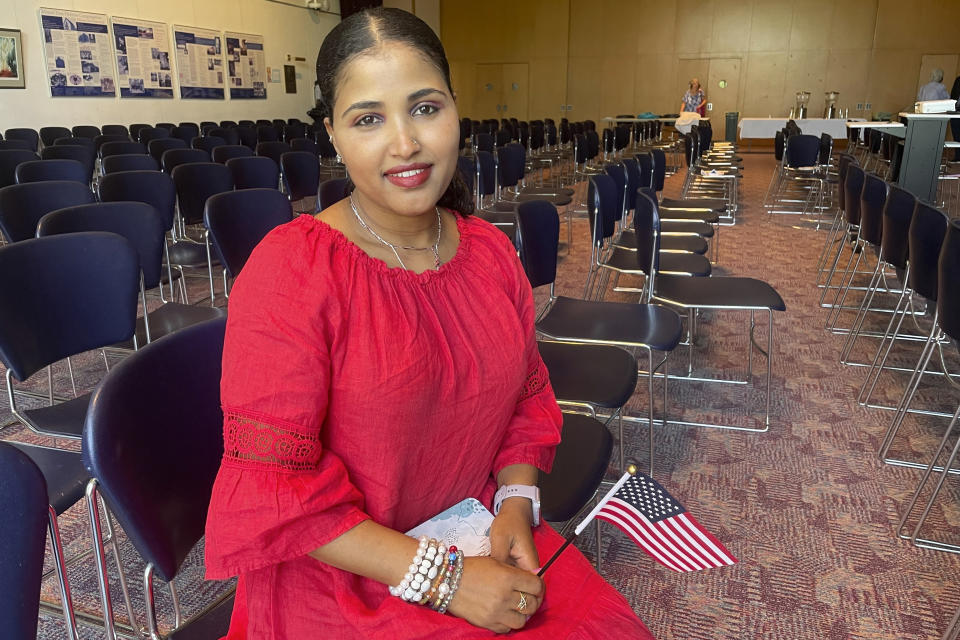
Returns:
point(224, 152)
point(301, 176)
point(129, 442)
point(121, 147)
point(21, 145)
point(128, 162)
point(49, 134)
point(207, 142)
point(9, 159)
point(85, 131)
point(114, 130)
point(148, 134)
point(47, 170)
point(332, 191)
point(22, 205)
point(158, 147)
point(30, 136)
point(229, 135)
point(185, 131)
point(173, 158)
point(87, 156)
point(254, 172)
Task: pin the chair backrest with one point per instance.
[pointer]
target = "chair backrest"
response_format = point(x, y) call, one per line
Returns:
point(659, 169)
point(468, 170)
point(948, 298)
point(169, 126)
point(84, 155)
point(484, 142)
point(229, 136)
point(185, 133)
point(149, 134)
point(29, 136)
point(897, 214)
point(161, 145)
point(135, 130)
point(129, 441)
point(602, 206)
point(928, 228)
point(293, 131)
point(197, 181)
point(224, 152)
point(826, 148)
point(22, 145)
point(248, 137)
point(129, 162)
point(510, 161)
point(301, 174)
point(779, 143)
point(86, 131)
point(852, 188)
point(23, 531)
point(46, 170)
point(619, 175)
point(80, 293)
point(632, 169)
point(22, 205)
point(76, 141)
point(254, 172)
point(239, 220)
point(115, 130)
point(802, 151)
point(49, 134)
point(873, 196)
point(173, 158)
point(843, 163)
point(122, 147)
point(138, 222)
point(486, 173)
point(538, 225)
point(305, 144)
point(207, 143)
point(272, 150)
point(152, 187)
point(332, 191)
point(228, 124)
point(245, 123)
point(267, 133)
point(9, 159)
point(646, 226)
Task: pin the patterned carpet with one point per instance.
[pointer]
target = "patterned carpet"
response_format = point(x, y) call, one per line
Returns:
point(807, 507)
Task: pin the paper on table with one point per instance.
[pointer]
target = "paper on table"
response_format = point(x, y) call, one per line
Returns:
point(465, 524)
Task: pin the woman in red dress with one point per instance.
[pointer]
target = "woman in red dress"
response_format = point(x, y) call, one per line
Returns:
point(380, 365)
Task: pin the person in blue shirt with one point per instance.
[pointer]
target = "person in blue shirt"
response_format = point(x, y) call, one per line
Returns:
point(933, 90)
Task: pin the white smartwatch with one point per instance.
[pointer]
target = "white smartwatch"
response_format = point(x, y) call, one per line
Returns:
point(519, 491)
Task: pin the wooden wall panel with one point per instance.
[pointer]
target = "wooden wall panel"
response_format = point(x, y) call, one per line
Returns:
point(770, 25)
point(853, 24)
point(654, 87)
point(656, 28)
point(807, 31)
point(731, 18)
point(764, 84)
point(693, 30)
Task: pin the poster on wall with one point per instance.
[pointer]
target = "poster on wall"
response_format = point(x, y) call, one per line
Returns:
point(199, 62)
point(143, 58)
point(78, 52)
point(246, 66)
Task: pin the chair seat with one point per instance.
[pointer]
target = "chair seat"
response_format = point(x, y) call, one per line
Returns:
point(716, 204)
point(213, 623)
point(700, 228)
point(578, 469)
point(547, 191)
point(171, 317)
point(64, 472)
point(187, 253)
point(557, 200)
point(691, 264)
point(63, 418)
point(622, 323)
point(719, 292)
point(598, 375)
point(689, 244)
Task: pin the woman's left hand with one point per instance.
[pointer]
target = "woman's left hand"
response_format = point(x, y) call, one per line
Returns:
point(511, 535)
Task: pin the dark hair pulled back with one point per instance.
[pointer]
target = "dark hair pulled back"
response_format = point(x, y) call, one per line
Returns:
point(367, 30)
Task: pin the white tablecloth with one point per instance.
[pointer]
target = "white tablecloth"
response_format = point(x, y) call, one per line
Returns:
point(768, 127)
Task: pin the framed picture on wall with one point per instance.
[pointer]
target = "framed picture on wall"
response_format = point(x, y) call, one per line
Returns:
point(11, 60)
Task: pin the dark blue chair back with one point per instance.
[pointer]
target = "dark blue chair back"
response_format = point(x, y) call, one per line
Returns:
point(22, 205)
point(49, 134)
point(9, 159)
point(254, 172)
point(129, 162)
point(948, 298)
point(169, 126)
point(139, 223)
point(84, 155)
point(486, 173)
point(31, 137)
point(74, 141)
point(267, 133)
point(802, 151)
point(80, 293)
point(229, 136)
point(485, 142)
point(510, 164)
point(632, 168)
point(47, 170)
point(619, 175)
point(872, 199)
point(85, 131)
point(20, 145)
point(843, 165)
point(538, 227)
point(602, 206)
point(272, 150)
point(185, 132)
point(160, 146)
point(207, 143)
point(129, 441)
point(897, 214)
point(646, 226)
point(659, 169)
point(305, 144)
point(239, 220)
point(224, 152)
point(332, 191)
point(135, 130)
point(23, 531)
point(115, 130)
point(173, 158)
point(152, 187)
point(197, 181)
point(927, 231)
point(852, 189)
point(301, 174)
point(122, 147)
point(468, 171)
point(248, 137)
point(228, 124)
point(293, 131)
point(149, 134)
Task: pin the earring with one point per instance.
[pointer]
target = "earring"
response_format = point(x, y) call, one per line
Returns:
point(339, 159)
point(414, 141)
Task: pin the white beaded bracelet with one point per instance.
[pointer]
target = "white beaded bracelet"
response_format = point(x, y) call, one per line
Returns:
point(422, 571)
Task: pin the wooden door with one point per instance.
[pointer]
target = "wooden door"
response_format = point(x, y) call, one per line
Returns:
point(488, 89)
point(516, 91)
point(723, 92)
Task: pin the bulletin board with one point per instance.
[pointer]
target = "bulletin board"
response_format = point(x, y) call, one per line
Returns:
point(142, 50)
point(199, 55)
point(246, 66)
point(78, 54)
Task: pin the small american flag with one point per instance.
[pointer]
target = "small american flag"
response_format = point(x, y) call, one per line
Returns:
point(662, 527)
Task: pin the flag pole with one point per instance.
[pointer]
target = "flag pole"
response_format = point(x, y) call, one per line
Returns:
point(631, 470)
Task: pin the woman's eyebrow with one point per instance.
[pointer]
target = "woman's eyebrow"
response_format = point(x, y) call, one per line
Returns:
point(367, 104)
point(422, 93)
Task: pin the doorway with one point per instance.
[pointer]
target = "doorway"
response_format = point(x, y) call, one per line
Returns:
point(502, 90)
point(720, 79)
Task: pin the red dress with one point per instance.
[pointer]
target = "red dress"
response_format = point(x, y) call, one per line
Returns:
point(350, 391)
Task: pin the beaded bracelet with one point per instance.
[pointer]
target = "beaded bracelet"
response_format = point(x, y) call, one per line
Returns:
point(443, 586)
point(454, 585)
point(418, 579)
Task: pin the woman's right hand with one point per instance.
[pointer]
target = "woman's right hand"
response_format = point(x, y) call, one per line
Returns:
point(490, 592)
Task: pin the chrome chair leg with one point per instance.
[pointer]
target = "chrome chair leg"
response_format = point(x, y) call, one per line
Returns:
point(880, 348)
point(862, 311)
point(60, 565)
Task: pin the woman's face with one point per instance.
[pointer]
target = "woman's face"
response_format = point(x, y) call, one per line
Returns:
point(694, 85)
point(396, 126)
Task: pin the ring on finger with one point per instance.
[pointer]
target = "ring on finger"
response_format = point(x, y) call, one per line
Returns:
point(522, 604)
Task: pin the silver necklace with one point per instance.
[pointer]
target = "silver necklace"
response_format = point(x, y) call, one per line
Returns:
point(435, 249)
